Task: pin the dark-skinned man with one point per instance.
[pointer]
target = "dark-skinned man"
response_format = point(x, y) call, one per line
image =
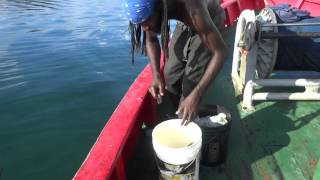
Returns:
point(196, 52)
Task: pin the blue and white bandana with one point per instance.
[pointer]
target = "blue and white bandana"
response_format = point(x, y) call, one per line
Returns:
point(138, 10)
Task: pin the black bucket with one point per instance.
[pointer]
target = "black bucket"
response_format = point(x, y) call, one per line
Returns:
point(214, 139)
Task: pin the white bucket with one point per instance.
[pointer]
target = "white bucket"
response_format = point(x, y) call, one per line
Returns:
point(178, 149)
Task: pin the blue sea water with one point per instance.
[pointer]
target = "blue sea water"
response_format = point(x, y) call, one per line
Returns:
point(64, 66)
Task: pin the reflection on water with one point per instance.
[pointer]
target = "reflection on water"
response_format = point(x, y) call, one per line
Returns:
point(64, 66)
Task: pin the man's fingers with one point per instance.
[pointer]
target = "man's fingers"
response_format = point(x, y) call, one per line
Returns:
point(179, 112)
point(190, 118)
point(161, 90)
point(187, 118)
point(159, 99)
point(153, 92)
point(184, 117)
point(183, 122)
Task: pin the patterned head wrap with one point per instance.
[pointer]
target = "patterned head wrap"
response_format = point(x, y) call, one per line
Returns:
point(138, 10)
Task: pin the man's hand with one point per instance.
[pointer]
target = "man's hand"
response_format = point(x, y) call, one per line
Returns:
point(157, 89)
point(188, 108)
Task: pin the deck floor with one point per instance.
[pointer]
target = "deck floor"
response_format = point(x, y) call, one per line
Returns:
point(278, 140)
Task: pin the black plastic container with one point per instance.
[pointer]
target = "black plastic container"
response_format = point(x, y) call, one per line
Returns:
point(214, 139)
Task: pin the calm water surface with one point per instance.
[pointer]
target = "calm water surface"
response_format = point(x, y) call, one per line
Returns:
point(64, 66)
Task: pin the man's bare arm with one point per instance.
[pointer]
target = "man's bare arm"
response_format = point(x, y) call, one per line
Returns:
point(153, 51)
point(212, 38)
point(201, 22)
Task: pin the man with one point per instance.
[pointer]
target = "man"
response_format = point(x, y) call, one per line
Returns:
point(196, 51)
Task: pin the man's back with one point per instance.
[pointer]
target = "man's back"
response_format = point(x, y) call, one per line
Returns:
point(184, 10)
